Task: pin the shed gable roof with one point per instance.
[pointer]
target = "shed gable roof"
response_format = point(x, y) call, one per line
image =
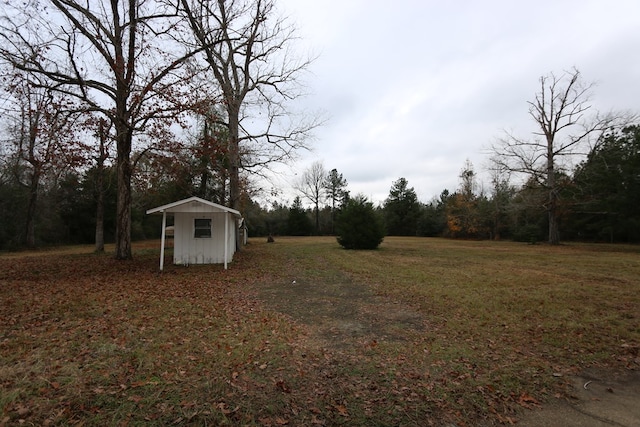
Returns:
point(194, 204)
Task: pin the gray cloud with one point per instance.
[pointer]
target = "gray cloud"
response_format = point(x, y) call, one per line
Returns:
point(414, 88)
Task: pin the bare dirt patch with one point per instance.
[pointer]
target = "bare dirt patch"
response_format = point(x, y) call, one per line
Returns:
point(340, 310)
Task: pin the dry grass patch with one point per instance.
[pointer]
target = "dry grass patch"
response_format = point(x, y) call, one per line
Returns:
point(502, 324)
point(420, 332)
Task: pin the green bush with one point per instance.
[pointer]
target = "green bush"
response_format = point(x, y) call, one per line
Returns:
point(358, 226)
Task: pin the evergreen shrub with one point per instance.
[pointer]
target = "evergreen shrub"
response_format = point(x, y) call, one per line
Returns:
point(359, 226)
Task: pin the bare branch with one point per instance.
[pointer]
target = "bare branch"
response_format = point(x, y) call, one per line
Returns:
point(561, 111)
point(247, 49)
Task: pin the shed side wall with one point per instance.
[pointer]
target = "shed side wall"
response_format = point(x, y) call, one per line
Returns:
point(189, 250)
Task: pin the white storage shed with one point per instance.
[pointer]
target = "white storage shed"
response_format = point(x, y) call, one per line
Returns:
point(203, 232)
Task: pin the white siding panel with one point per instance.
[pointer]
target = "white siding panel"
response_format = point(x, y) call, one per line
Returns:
point(181, 240)
point(189, 250)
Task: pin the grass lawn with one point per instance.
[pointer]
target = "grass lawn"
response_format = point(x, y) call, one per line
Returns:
point(300, 332)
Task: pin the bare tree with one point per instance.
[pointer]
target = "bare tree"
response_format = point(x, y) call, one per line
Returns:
point(101, 156)
point(118, 57)
point(311, 186)
point(248, 50)
point(564, 128)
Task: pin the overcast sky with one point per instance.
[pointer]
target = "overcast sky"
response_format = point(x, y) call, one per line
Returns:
point(413, 88)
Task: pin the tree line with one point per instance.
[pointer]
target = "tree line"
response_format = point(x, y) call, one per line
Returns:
point(116, 87)
point(576, 177)
point(111, 109)
point(597, 202)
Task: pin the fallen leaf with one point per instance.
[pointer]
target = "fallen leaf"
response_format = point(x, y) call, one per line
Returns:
point(526, 400)
point(342, 410)
point(22, 410)
point(283, 386)
point(224, 408)
point(315, 420)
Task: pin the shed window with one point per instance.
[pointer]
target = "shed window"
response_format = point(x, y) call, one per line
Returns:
point(202, 228)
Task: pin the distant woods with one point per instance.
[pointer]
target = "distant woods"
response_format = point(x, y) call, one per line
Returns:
point(109, 110)
point(597, 202)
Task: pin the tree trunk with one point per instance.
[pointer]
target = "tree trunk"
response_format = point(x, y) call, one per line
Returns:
point(30, 233)
point(552, 209)
point(234, 159)
point(102, 156)
point(234, 164)
point(125, 62)
point(100, 210)
point(100, 226)
point(123, 210)
point(552, 206)
point(204, 182)
point(554, 235)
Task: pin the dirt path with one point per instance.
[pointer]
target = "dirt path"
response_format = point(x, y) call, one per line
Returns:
point(341, 311)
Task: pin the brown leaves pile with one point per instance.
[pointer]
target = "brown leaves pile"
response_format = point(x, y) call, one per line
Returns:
point(87, 340)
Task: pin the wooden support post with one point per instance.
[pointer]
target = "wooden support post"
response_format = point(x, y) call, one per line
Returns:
point(164, 228)
point(226, 238)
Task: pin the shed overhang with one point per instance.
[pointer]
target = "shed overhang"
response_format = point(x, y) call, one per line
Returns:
point(193, 204)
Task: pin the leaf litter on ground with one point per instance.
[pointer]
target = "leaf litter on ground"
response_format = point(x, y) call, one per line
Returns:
point(421, 332)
